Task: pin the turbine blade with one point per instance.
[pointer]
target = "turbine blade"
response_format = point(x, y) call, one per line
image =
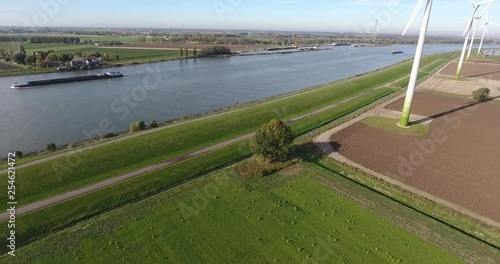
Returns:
point(469, 25)
point(473, 3)
point(482, 13)
point(413, 15)
point(485, 2)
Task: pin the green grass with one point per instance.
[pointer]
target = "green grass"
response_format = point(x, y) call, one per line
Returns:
point(34, 47)
point(98, 38)
point(389, 125)
point(47, 220)
point(68, 173)
point(422, 208)
point(226, 218)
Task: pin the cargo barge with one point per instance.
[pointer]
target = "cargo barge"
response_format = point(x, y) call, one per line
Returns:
point(106, 75)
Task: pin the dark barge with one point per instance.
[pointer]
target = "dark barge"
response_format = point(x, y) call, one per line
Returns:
point(107, 75)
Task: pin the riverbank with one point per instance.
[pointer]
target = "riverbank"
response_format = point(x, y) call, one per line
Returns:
point(22, 70)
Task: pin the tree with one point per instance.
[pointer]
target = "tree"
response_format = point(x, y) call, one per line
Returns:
point(141, 125)
point(481, 95)
point(21, 49)
point(53, 56)
point(51, 147)
point(19, 58)
point(30, 60)
point(137, 126)
point(19, 154)
point(195, 52)
point(153, 124)
point(215, 50)
point(66, 57)
point(41, 63)
point(117, 57)
point(2, 54)
point(273, 141)
point(181, 52)
point(95, 54)
point(186, 50)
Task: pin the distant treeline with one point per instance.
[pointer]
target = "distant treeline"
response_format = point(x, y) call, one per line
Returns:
point(40, 39)
point(215, 50)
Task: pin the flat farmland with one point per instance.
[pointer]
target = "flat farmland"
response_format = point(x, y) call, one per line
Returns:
point(7, 66)
point(457, 161)
point(228, 218)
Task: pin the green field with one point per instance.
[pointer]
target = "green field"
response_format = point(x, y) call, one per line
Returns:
point(52, 218)
point(227, 218)
point(389, 125)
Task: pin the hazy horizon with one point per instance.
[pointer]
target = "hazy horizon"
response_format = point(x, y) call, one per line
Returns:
point(448, 17)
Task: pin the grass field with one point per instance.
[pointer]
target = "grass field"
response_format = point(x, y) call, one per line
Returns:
point(47, 220)
point(389, 125)
point(50, 178)
point(226, 218)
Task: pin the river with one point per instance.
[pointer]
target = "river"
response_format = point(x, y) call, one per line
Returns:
point(64, 113)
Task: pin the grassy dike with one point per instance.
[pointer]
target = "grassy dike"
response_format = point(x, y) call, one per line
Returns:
point(77, 170)
point(48, 220)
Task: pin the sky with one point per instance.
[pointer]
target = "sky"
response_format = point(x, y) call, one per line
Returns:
point(449, 17)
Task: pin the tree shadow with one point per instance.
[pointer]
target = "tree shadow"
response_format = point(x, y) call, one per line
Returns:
point(313, 152)
point(449, 112)
point(482, 74)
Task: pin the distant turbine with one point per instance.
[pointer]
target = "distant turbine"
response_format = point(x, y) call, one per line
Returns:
point(405, 117)
point(468, 27)
point(485, 31)
point(473, 38)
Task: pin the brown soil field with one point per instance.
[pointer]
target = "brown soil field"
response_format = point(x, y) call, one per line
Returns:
point(187, 45)
point(7, 66)
point(458, 161)
point(489, 70)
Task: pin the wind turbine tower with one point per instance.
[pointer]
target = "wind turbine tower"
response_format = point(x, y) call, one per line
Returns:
point(405, 116)
point(375, 33)
point(475, 7)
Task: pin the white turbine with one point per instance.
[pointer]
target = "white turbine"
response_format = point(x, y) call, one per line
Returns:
point(473, 38)
point(475, 7)
point(485, 31)
point(405, 117)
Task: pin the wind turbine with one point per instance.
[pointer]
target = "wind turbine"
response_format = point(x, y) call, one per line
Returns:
point(485, 31)
point(473, 38)
point(405, 117)
point(475, 7)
